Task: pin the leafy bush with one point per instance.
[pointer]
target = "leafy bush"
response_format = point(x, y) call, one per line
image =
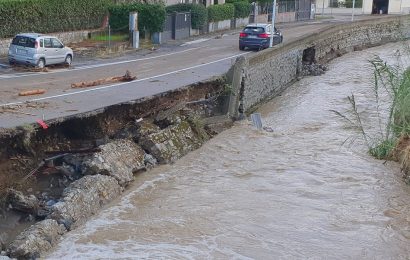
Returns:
point(47, 16)
point(151, 17)
point(242, 9)
point(199, 14)
point(221, 12)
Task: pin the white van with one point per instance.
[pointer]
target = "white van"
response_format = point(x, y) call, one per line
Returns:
point(38, 50)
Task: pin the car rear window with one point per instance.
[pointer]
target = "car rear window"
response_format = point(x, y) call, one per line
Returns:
point(254, 30)
point(24, 41)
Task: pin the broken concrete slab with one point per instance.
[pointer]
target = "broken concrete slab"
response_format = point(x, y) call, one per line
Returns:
point(84, 198)
point(171, 143)
point(36, 240)
point(118, 159)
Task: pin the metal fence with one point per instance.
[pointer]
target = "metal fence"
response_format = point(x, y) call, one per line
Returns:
point(303, 9)
point(286, 6)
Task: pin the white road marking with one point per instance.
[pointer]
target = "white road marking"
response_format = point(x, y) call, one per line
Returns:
point(120, 84)
point(20, 75)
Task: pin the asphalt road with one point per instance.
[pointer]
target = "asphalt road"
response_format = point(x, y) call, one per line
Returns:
point(157, 71)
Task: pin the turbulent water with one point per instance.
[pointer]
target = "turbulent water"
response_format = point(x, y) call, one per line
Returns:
point(299, 192)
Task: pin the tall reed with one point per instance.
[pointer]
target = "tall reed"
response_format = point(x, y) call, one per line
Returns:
point(392, 90)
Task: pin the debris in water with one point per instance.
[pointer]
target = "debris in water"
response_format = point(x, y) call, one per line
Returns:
point(42, 123)
point(268, 129)
point(256, 120)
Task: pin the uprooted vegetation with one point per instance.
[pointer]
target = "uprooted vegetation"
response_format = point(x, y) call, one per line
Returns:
point(66, 172)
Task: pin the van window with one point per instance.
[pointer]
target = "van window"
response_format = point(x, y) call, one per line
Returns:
point(42, 43)
point(24, 41)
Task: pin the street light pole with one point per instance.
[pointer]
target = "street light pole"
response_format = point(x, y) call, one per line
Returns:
point(273, 23)
point(354, 3)
point(323, 8)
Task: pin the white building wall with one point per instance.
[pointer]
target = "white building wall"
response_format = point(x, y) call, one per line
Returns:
point(367, 6)
point(395, 6)
point(319, 3)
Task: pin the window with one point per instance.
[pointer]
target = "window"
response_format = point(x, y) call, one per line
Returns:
point(47, 43)
point(24, 41)
point(253, 30)
point(42, 43)
point(56, 43)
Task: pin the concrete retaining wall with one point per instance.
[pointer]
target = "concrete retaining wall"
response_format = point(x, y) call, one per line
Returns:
point(221, 25)
point(266, 73)
point(65, 37)
point(241, 22)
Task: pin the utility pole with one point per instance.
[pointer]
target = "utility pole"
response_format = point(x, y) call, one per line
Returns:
point(273, 23)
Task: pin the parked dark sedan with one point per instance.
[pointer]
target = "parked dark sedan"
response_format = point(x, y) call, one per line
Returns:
point(257, 36)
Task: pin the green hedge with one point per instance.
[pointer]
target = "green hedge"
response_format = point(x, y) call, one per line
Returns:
point(199, 14)
point(221, 12)
point(235, 1)
point(242, 9)
point(357, 4)
point(151, 17)
point(47, 16)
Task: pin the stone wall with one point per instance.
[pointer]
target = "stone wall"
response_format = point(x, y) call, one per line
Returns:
point(65, 37)
point(268, 72)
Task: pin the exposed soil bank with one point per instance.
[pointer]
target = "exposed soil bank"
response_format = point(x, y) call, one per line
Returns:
point(41, 170)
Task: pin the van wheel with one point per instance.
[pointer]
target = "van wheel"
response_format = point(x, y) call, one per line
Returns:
point(41, 63)
point(68, 60)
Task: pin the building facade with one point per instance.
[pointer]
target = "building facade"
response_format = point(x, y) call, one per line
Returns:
point(386, 6)
point(373, 6)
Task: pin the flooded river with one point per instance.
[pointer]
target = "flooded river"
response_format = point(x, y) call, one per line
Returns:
point(293, 193)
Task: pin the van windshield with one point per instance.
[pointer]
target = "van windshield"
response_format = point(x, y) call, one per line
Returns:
point(24, 41)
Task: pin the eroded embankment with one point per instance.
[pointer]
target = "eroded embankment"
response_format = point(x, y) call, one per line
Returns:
point(58, 177)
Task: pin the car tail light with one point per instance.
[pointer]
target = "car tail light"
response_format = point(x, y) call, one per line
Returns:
point(243, 35)
point(263, 35)
point(36, 44)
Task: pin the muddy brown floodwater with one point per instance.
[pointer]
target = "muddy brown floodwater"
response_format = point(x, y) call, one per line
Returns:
point(296, 192)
